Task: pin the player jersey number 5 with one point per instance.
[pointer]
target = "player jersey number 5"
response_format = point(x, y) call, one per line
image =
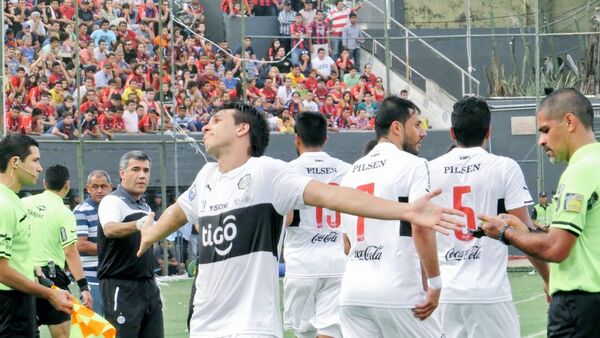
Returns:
point(457, 203)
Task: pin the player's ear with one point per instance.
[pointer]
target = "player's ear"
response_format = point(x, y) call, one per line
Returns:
point(452, 134)
point(243, 128)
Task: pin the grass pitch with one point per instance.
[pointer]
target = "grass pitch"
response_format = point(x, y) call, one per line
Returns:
point(527, 288)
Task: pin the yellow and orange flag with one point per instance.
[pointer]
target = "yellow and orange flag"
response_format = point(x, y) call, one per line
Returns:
point(86, 323)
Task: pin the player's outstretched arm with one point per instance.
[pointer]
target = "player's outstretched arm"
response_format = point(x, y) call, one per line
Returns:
point(421, 212)
point(171, 220)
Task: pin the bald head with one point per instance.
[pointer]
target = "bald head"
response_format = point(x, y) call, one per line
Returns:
point(568, 100)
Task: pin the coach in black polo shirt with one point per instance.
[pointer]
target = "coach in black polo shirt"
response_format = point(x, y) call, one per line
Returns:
point(129, 292)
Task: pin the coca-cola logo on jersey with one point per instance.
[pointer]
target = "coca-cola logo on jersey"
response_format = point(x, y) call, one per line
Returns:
point(220, 236)
point(331, 237)
point(469, 254)
point(370, 253)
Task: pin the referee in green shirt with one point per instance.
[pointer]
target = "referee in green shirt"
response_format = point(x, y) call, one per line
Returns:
point(53, 232)
point(573, 242)
point(20, 166)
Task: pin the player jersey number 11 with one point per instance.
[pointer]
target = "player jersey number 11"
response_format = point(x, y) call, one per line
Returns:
point(457, 194)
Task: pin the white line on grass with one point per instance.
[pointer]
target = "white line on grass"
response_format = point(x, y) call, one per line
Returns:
point(537, 334)
point(530, 298)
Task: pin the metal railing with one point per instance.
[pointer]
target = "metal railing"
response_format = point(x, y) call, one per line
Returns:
point(409, 70)
point(473, 83)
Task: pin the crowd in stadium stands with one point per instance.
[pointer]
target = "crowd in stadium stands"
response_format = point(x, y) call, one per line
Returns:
point(118, 46)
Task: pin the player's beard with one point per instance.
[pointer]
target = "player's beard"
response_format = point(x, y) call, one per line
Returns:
point(408, 147)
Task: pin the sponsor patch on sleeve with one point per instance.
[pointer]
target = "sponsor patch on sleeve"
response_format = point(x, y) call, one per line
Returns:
point(573, 202)
point(63, 234)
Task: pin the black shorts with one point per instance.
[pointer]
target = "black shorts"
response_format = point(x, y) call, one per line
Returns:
point(133, 307)
point(46, 313)
point(17, 315)
point(574, 314)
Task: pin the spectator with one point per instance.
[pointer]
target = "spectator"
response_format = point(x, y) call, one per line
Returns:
point(305, 63)
point(284, 64)
point(265, 7)
point(247, 46)
point(368, 72)
point(149, 122)
point(323, 64)
point(339, 17)
point(101, 51)
point(31, 124)
point(89, 124)
point(351, 78)
point(308, 12)
point(108, 12)
point(404, 94)
point(344, 63)
point(131, 118)
point(368, 105)
point(319, 32)
point(284, 93)
point(359, 89)
point(13, 121)
point(362, 121)
point(352, 38)
point(102, 77)
point(295, 75)
point(65, 128)
point(298, 32)
point(66, 10)
point(174, 267)
point(86, 12)
point(104, 34)
point(378, 91)
point(309, 103)
point(286, 18)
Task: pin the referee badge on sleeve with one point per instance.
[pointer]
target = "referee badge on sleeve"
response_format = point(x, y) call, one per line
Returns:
point(573, 202)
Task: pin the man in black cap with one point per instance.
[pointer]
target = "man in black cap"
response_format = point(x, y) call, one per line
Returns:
point(540, 213)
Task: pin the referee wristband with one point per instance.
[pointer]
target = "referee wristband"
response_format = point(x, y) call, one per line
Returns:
point(435, 282)
point(83, 284)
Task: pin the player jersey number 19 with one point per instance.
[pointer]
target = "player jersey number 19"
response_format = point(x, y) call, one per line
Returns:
point(457, 194)
point(332, 223)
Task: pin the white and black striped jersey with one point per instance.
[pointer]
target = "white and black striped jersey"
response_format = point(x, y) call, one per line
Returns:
point(117, 257)
point(473, 270)
point(240, 214)
point(314, 246)
point(383, 268)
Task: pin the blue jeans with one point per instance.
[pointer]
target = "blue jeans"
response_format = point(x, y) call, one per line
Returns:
point(296, 55)
point(355, 55)
point(97, 297)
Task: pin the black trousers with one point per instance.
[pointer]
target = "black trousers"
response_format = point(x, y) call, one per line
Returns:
point(574, 314)
point(133, 307)
point(17, 315)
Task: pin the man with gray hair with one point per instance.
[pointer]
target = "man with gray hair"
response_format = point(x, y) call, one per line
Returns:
point(86, 214)
point(129, 292)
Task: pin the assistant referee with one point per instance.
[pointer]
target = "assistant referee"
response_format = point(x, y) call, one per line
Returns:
point(573, 242)
point(19, 167)
point(129, 292)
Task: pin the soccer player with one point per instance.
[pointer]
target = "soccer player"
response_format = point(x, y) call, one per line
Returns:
point(313, 247)
point(130, 295)
point(476, 299)
point(19, 167)
point(53, 232)
point(382, 289)
point(240, 202)
point(86, 214)
point(572, 245)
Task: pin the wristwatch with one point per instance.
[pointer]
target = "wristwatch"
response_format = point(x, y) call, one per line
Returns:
point(501, 237)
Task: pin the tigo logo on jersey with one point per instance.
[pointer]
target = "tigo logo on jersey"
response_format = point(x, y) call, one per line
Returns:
point(220, 235)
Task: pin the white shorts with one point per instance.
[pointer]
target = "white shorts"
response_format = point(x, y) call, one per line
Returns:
point(311, 306)
point(479, 320)
point(373, 322)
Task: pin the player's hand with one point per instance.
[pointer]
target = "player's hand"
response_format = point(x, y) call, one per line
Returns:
point(425, 309)
point(492, 225)
point(425, 213)
point(145, 244)
point(86, 299)
point(61, 300)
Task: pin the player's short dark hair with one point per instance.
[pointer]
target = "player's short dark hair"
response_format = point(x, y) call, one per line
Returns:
point(470, 121)
point(393, 108)
point(569, 100)
point(36, 112)
point(15, 145)
point(369, 145)
point(259, 129)
point(352, 15)
point(56, 177)
point(311, 127)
